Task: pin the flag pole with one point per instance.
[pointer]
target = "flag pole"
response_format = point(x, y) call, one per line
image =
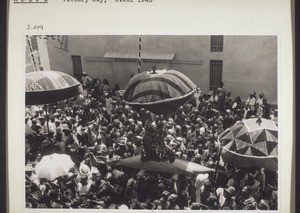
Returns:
point(140, 49)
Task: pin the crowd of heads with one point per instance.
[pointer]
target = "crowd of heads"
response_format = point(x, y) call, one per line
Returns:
point(98, 128)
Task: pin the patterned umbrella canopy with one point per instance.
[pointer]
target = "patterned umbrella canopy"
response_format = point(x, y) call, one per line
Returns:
point(160, 91)
point(179, 166)
point(54, 166)
point(251, 143)
point(44, 87)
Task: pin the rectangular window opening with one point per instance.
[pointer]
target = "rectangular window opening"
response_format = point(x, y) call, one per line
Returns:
point(216, 43)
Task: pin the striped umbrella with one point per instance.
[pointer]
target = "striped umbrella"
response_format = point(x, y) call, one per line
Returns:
point(45, 87)
point(159, 91)
point(251, 143)
point(179, 166)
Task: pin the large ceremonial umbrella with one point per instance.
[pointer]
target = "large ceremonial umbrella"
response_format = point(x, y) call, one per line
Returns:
point(179, 166)
point(45, 87)
point(251, 143)
point(159, 91)
point(54, 166)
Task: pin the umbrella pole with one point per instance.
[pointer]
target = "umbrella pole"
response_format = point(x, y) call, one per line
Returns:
point(46, 109)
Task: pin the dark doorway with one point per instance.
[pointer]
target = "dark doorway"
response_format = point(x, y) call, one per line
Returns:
point(77, 67)
point(216, 67)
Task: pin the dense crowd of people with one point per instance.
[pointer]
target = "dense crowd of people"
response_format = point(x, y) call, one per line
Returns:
point(98, 128)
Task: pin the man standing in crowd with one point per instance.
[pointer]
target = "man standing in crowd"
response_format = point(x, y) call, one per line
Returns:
point(85, 80)
point(250, 106)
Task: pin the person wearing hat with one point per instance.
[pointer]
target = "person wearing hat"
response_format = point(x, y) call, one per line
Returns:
point(250, 106)
point(85, 80)
point(226, 197)
point(68, 138)
point(30, 174)
point(83, 137)
point(259, 100)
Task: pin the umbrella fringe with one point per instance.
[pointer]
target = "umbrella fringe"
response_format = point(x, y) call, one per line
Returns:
point(250, 157)
point(162, 101)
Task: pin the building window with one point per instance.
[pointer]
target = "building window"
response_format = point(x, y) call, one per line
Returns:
point(216, 67)
point(216, 43)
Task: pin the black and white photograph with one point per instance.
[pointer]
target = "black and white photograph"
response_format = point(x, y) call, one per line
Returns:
point(155, 122)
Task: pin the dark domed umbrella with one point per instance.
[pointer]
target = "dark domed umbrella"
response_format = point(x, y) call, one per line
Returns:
point(159, 91)
point(251, 143)
point(45, 87)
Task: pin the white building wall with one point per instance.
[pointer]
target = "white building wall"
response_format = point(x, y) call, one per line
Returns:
point(249, 62)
